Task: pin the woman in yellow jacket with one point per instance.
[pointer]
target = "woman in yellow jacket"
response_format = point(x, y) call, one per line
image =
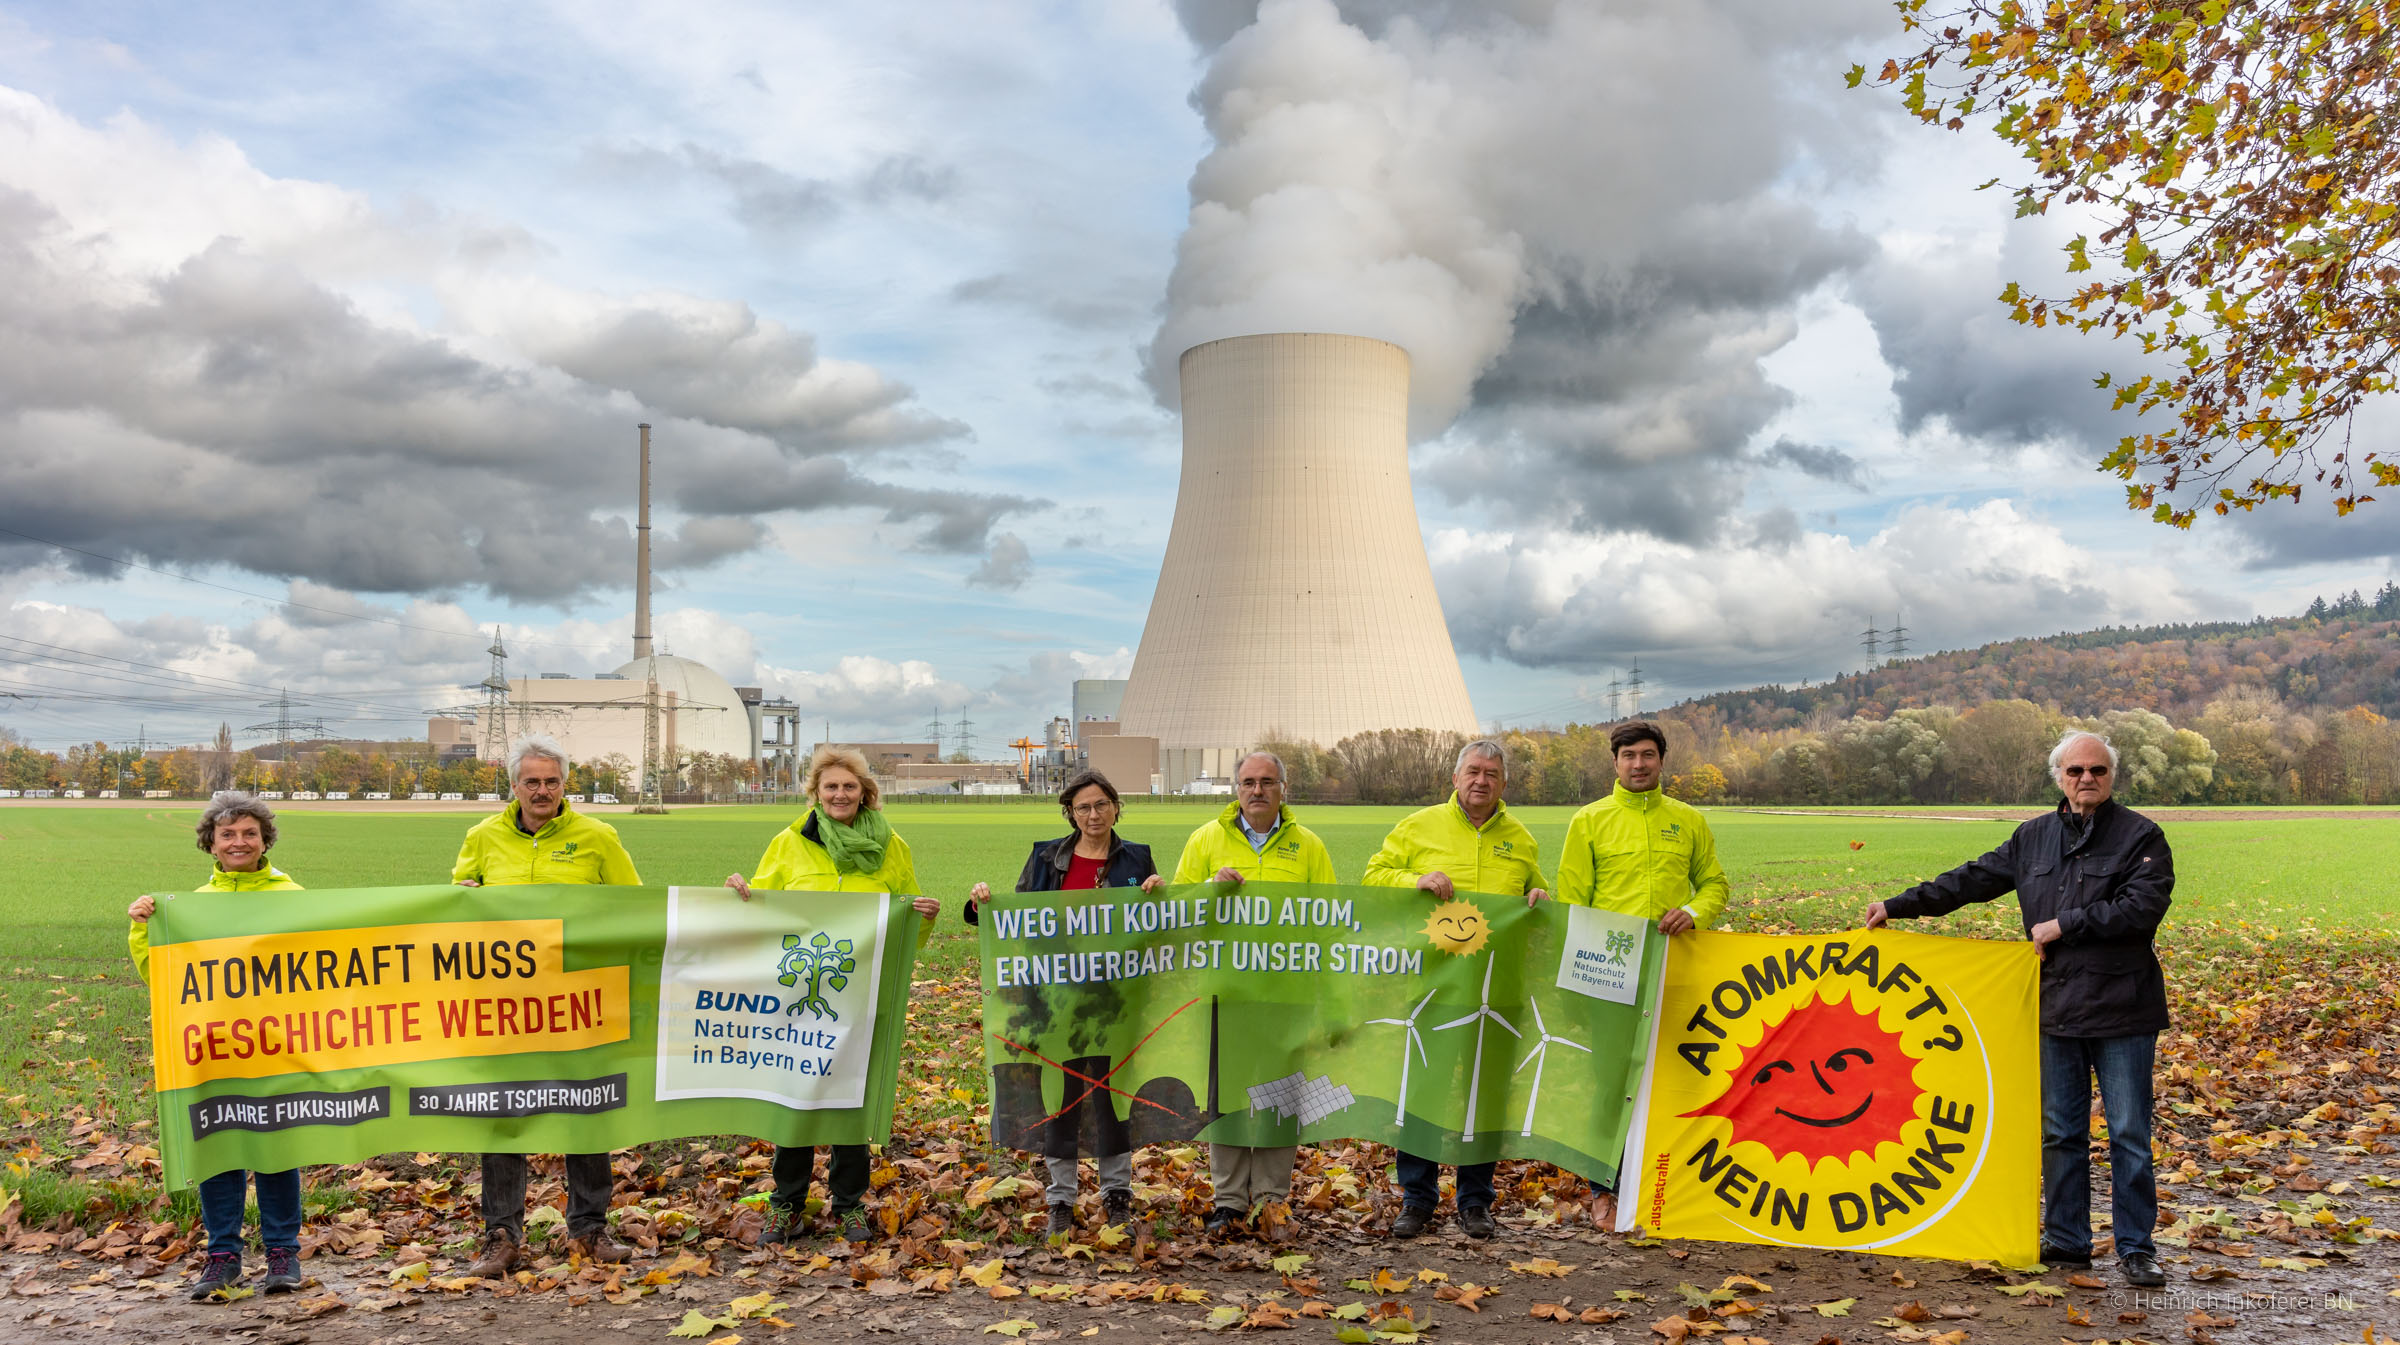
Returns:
point(236, 830)
point(843, 844)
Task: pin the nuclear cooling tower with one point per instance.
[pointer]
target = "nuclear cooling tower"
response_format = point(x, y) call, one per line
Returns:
point(1295, 599)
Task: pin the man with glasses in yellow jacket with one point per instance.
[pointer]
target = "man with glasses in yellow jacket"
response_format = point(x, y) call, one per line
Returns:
point(537, 838)
point(1640, 853)
point(1254, 839)
point(1470, 844)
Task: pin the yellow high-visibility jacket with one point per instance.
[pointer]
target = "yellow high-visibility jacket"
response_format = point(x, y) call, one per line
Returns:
point(1501, 858)
point(1644, 855)
point(570, 848)
point(796, 861)
point(265, 878)
point(1292, 854)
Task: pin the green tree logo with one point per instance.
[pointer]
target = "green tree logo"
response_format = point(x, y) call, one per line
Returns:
point(823, 964)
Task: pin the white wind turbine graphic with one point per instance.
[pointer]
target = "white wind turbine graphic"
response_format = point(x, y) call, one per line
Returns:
point(1536, 1058)
point(1482, 1012)
point(1400, 1114)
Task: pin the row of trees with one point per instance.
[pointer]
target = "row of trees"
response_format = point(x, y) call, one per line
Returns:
point(2245, 747)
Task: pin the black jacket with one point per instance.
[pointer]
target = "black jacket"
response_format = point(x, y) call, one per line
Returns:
point(1128, 866)
point(2108, 889)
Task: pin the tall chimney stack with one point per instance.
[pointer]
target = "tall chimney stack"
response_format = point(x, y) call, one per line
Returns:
point(641, 561)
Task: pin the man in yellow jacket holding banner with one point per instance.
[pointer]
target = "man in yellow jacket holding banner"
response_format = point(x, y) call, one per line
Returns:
point(1469, 843)
point(1254, 839)
point(1642, 854)
point(537, 839)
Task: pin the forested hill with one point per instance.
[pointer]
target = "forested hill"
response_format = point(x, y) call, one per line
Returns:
point(2344, 653)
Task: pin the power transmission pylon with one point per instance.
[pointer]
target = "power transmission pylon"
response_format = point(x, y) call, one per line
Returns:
point(1898, 639)
point(495, 702)
point(966, 735)
point(652, 798)
point(935, 729)
point(1616, 700)
point(1633, 690)
point(1870, 639)
point(285, 728)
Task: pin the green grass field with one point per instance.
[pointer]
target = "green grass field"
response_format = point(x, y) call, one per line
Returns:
point(74, 1015)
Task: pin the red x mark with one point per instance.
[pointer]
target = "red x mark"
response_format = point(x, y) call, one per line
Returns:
point(1102, 1081)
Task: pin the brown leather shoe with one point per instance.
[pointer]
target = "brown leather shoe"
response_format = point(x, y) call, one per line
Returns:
point(598, 1247)
point(499, 1255)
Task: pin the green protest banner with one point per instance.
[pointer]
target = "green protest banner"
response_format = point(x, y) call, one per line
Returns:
point(330, 1026)
point(1271, 1014)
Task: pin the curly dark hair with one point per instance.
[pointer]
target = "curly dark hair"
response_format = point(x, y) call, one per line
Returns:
point(232, 803)
point(1626, 735)
point(1085, 780)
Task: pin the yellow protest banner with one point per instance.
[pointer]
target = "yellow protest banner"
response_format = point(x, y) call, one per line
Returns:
point(253, 1006)
point(1866, 1091)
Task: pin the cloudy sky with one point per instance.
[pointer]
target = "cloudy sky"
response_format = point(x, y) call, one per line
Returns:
point(338, 332)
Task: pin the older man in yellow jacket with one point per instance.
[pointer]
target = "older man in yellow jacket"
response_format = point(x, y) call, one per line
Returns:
point(1469, 843)
point(1643, 854)
point(1255, 838)
point(537, 839)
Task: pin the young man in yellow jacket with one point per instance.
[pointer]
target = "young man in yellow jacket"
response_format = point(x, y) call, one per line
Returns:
point(1254, 839)
point(537, 839)
point(1468, 844)
point(1643, 854)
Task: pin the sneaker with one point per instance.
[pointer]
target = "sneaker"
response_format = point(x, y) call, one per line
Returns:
point(1062, 1220)
point(854, 1226)
point(499, 1255)
point(599, 1248)
point(283, 1271)
point(1412, 1222)
point(223, 1271)
point(1116, 1207)
point(1225, 1223)
point(785, 1224)
point(2060, 1256)
point(2141, 1270)
point(1476, 1222)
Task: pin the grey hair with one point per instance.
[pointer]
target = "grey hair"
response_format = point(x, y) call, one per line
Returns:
point(534, 745)
point(2058, 754)
point(1281, 775)
point(1482, 747)
point(227, 804)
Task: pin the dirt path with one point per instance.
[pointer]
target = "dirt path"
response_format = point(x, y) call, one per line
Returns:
point(2222, 1295)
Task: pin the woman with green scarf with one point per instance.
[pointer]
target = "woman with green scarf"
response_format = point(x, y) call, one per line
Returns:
point(841, 845)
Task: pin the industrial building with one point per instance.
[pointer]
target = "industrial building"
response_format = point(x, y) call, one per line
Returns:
point(1295, 542)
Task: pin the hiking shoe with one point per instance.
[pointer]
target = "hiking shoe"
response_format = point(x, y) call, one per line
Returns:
point(1476, 1222)
point(785, 1223)
point(1225, 1223)
point(1062, 1220)
point(2060, 1256)
point(1116, 1207)
point(2141, 1271)
point(223, 1271)
point(599, 1248)
point(283, 1271)
point(1412, 1222)
point(498, 1257)
point(854, 1226)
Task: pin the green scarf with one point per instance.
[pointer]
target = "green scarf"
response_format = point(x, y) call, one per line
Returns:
point(856, 847)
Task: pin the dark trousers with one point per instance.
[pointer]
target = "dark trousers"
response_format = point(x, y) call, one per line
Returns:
point(845, 1176)
point(222, 1199)
point(1421, 1183)
point(589, 1185)
point(2122, 1064)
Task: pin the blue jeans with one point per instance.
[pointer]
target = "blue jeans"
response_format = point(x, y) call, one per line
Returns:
point(2123, 1066)
point(1421, 1183)
point(222, 1199)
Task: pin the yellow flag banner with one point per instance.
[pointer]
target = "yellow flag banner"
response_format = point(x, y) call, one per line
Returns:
point(1869, 1091)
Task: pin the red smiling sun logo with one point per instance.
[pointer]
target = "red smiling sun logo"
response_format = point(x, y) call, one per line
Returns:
point(1825, 1082)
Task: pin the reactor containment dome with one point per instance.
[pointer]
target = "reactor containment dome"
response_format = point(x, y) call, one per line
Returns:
point(1295, 599)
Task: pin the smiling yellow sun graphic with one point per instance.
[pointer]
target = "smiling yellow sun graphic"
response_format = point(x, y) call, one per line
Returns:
point(1458, 927)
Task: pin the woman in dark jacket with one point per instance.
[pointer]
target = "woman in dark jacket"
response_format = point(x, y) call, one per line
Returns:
point(1093, 855)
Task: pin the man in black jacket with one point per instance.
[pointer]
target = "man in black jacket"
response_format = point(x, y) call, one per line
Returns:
point(2093, 880)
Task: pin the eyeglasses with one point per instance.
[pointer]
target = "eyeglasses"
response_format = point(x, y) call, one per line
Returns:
point(1092, 809)
point(2096, 772)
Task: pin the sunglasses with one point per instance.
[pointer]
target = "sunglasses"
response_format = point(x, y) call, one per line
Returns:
point(2095, 772)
